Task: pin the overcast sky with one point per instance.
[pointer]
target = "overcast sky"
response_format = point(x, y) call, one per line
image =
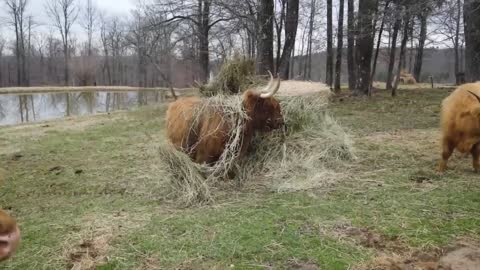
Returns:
point(37, 9)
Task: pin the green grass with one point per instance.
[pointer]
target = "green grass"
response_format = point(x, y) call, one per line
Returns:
point(392, 189)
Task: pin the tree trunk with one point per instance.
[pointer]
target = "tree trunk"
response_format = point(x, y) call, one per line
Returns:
point(338, 64)
point(417, 70)
point(352, 78)
point(265, 38)
point(329, 75)
point(379, 41)
point(366, 10)
point(402, 54)
point(279, 30)
point(203, 31)
point(391, 63)
point(456, 43)
point(291, 25)
point(471, 11)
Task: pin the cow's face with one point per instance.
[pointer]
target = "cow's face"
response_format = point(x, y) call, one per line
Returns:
point(263, 108)
point(268, 114)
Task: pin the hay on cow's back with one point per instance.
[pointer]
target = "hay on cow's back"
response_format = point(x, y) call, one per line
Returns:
point(305, 156)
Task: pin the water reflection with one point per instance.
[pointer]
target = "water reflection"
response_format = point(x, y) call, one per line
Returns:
point(16, 109)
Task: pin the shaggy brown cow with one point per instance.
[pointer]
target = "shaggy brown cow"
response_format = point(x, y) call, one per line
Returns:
point(9, 236)
point(206, 140)
point(460, 123)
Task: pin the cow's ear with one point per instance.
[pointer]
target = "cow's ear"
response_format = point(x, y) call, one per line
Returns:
point(475, 111)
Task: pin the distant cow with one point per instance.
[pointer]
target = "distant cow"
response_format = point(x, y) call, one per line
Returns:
point(205, 138)
point(460, 123)
point(407, 78)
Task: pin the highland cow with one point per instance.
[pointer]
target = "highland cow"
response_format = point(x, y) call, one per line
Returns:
point(204, 135)
point(9, 235)
point(460, 124)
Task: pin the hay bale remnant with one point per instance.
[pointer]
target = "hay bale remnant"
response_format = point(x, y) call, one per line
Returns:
point(234, 77)
point(316, 145)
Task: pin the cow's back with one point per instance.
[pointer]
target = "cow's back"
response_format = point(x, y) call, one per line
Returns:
point(179, 122)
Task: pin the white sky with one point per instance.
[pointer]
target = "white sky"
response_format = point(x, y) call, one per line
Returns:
point(36, 8)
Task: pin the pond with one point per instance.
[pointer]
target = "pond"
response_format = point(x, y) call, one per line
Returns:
point(17, 109)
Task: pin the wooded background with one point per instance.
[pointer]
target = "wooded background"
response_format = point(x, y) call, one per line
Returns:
point(175, 43)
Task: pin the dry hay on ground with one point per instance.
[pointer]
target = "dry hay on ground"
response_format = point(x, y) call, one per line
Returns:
point(307, 156)
point(300, 88)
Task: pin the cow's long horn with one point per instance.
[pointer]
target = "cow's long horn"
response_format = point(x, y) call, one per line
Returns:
point(478, 98)
point(271, 89)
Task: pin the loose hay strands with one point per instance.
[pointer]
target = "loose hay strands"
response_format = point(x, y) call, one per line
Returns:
point(307, 155)
point(185, 177)
point(235, 76)
point(310, 152)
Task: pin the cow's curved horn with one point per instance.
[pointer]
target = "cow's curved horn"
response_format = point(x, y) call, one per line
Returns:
point(475, 95)
point(271, 88)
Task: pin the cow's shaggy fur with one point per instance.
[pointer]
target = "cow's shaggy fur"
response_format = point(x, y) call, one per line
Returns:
point(460, 124)
point(203, 129)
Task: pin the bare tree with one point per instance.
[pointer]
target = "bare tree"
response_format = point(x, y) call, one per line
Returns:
point(338, 64)
point(401, 63)
point(457, 42)
point(89, 21)
point(471, 11)
point(329, 75)
point(16, 10)
point(366, 10)
point(291, 25)
point(391, 64)
point(379, 41)
point(351, 45)
point(203, 15)
point(265, 40)
point(64, 13)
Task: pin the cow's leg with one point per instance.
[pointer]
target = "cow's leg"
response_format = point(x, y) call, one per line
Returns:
point(476, 157)
point(447, 151)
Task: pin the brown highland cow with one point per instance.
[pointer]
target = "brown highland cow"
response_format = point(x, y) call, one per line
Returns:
point(460, 124)
point(204, 137)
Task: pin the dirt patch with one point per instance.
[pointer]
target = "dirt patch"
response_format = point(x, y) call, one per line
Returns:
point(460, 256)
point(302, 265)
point(88, 246)
point(370, 239)
point(89, 253)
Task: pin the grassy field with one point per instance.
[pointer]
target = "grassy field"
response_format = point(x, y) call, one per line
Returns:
point(87, 196)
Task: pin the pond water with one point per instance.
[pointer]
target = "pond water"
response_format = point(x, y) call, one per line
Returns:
point(16, 109)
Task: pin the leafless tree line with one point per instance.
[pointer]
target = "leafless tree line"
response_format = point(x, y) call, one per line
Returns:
point(175, 43)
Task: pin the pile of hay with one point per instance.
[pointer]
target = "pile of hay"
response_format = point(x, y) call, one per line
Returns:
point(305, 156)
point(235, 76)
